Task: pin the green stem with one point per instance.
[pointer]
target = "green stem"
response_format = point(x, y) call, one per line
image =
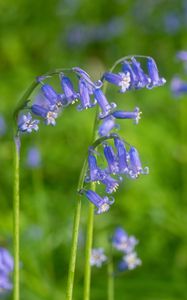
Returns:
point(16, 222)
point(110, 280)
point(73, 254)
point(89, 240)
point(71, 272)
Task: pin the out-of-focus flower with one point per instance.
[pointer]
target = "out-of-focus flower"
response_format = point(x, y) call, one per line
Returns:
point(129, 262)
point(178, 86)
point(33, 157)
point(182, 55)
point(3, 126)
point(123, 242)
point(97, 257)
point(6, 267)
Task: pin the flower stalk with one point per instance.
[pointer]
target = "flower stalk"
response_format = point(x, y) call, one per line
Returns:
point(16, 220)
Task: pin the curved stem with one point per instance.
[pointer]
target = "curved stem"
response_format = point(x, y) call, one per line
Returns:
point(110, 280)
point(16, 221)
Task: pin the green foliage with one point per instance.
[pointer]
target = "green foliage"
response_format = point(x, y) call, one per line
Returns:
point(153, 208)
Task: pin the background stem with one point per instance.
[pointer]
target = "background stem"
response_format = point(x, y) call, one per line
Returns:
point(16, 201)
point(110, 280)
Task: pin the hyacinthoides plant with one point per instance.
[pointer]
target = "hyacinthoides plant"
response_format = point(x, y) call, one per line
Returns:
point(120, 157)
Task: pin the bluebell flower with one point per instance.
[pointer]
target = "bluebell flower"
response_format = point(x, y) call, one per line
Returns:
point(6, 267)
point(110, 183)
point(47, 113)
point(178, 86)
point(121, 79)
point(135, 166)
point(122, 156)
point(122, 241)
point(130, 261)
point(95, 173)
point(33, 157)
point(97, 257)
point(102, 204)
point(142, 79)
point(27, 124)
point(50, 94)
point(153, 74)
point(3, 126)
point(135, 115)
point(84, 91)
point(107, 125)
point(105, 106)
point(127, 68)
point(68, 89)
point(111, 159)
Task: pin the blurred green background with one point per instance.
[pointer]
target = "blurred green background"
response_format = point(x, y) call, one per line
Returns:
point(38, 36)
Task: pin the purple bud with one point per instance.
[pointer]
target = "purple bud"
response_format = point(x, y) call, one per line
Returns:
point(107, 125)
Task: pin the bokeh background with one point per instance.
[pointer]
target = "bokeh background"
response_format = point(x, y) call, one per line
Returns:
point(38, 36)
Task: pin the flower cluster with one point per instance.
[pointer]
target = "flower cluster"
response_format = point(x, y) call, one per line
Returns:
point(121, 241)
point(6, 267)
point(49, 104)
point(124, 243)
point(120, 162)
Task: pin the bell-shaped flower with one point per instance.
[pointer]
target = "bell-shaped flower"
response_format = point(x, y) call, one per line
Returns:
point(111, 159)
point(135, 166)
point(105, 106)
point(102, 204)
point(84, 91)
point(122, 156)
point(68, 89)
point(153, 74)
point(135, 115)
point(121, 79)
